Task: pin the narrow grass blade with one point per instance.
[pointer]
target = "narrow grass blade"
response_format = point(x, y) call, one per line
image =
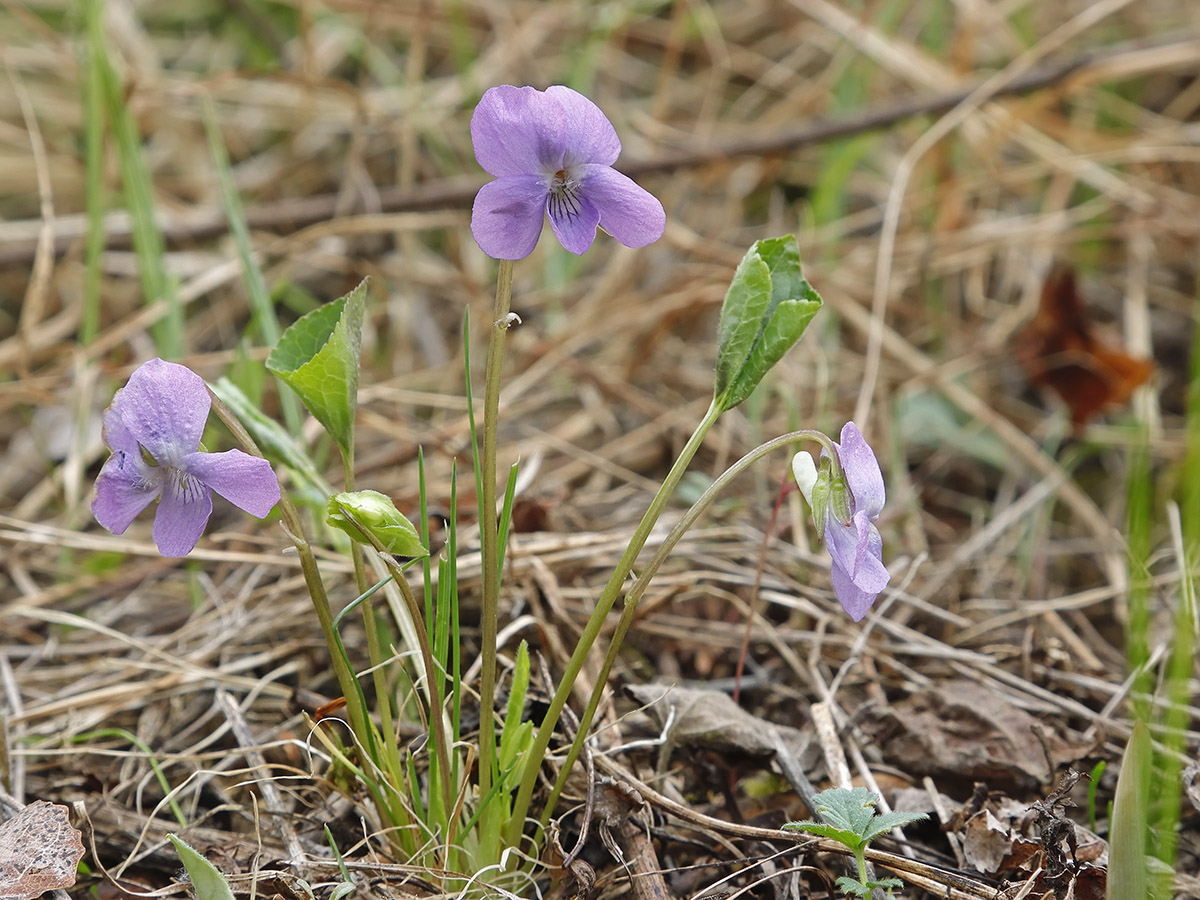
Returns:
point(148, 243)
point(1128, 831)
point(256, 286)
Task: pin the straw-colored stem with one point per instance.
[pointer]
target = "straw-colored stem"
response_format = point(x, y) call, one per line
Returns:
point(634, 595)
point(312, 577)
point(488, 525)
point(541, 741)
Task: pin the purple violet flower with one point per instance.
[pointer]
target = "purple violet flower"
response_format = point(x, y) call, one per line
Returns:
point(153, 429)
point(850, 505)
point(552, 153)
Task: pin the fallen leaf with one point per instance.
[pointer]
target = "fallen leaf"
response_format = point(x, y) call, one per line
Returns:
point(39, 852)
point(961, 729)
point(1060, 351)
point(710, 720)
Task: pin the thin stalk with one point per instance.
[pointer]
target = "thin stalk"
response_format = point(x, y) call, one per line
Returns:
point(541, 741)
point(635, 593)
point(312, 579)
point(489, 549)
point(383, 697)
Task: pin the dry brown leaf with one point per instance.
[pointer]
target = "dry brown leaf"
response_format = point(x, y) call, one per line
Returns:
point(710, 720)
point(1059, 350)
point(39, 852)
point(962, 729)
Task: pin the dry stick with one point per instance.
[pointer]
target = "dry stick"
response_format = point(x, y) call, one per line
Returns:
point(457, 192)
point(270, 792)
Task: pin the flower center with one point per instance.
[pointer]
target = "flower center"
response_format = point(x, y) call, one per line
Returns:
point(187, 486)
point(564, 196)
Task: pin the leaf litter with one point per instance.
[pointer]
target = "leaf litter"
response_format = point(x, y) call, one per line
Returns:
point(1008, 570)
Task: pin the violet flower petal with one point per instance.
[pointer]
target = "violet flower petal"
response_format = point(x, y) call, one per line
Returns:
point(508, 215)
point(164, 407)
point(591, 137)
point(574, 222)
point(858, 549)
point(855, 601)
point(628, 212)
point(244, 480)
point(124, 488)
point(519, 131)
point(183, 511)
point(861, 468)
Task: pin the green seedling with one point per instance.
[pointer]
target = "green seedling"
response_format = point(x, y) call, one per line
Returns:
point(849, 817)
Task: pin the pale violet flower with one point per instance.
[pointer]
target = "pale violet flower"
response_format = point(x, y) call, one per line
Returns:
point(153, 429)
point(551, 153)
point(846, 506)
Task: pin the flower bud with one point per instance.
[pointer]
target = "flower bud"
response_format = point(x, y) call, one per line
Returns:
point(372, 518)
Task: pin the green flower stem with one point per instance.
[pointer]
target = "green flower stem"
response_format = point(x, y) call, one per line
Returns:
point(634, 594)
point(541, 741)
point(312, 579)
point(383, 697)
point(489, 538)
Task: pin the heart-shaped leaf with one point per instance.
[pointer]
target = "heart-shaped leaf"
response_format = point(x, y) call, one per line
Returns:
point(318, 358)
point(767, 308)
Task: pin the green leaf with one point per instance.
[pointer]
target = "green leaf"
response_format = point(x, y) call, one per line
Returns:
point(849, 808)
point(318, 358)
point(822, 829)
point(853, 886)
point(767, 308)
point(1128, 831)
point(208, 883)
point(885, 822)
point(372, 518)
point(511, 736)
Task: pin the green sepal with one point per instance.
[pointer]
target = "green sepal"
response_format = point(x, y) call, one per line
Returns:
point(767, 308)
point(839, 497)
point(318, 358)
point(821, 496)
point(370, 517)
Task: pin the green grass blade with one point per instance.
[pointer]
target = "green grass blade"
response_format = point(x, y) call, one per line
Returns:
point(148, 243)
point(263, 309)
point(94, 122)
point(1127, 834)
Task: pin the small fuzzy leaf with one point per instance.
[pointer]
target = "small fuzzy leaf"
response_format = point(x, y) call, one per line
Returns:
point(853, 886)
point(318, 358)
point(372, 518)
point(843, 835)
point(885, 822)
point(848, 808)
point(767, 308)
point(207, 881)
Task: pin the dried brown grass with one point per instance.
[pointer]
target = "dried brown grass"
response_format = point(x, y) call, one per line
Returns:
point(1009, 566)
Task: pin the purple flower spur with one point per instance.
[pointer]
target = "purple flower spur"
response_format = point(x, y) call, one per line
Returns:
point(153, 429)
point(845, 506)
point(551, 153)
